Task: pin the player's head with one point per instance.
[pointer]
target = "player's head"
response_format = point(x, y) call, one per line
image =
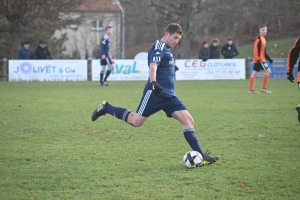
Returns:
point(108, 30)
point(263, 30)
point(173, 34)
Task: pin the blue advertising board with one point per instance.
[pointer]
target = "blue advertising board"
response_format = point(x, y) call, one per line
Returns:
point(278, 69)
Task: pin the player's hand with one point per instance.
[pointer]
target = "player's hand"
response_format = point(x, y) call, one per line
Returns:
point(204, 59)
point(290, 76)
point(176, 68)
point(103, 57)
point(156, 88)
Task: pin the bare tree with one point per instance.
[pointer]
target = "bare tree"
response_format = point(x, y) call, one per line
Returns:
point(204, 18)
point(26, 19)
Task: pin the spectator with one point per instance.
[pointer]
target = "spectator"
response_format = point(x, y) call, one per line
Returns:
point(42, 52)
point(25, 53)
point(214, 49)
point(229, 50)
point(204, 52)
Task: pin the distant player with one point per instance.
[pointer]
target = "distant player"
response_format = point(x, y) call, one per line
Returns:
point(159, 92)
point(292, 59)
point(105, 57)
point(259, 59)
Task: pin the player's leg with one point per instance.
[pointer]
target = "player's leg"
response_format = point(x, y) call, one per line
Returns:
point(118, 112)
point(111, 67)
point(149, 105)
point(255, 71)
point(298, 74)
point(184, 117)
point(267, 72)
point(177, 110)
point(298, 111)
point(103, 66)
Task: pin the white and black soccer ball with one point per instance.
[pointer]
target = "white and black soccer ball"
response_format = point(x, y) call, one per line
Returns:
point(192, 159)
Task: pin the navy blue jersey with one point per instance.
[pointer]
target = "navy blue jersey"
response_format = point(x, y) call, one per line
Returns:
point(160, 54)
point(104, 46)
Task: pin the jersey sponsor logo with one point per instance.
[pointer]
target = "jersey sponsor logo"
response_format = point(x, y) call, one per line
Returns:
point(172, 62)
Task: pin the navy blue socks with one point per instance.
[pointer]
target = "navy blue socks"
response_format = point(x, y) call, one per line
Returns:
point(107, 74)
point(191, 138)
point(101, 76)
point(120, 113)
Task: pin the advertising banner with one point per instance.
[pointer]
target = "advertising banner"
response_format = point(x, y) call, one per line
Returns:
point(213, 69)
point(47, 70)
point(278, 69)
point(125, 70)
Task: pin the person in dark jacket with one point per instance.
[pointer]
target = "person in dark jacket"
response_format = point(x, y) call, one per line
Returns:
point(42, 52)
point(25, 53)
point(229, 50)
point(214, 49)
point(204, 52)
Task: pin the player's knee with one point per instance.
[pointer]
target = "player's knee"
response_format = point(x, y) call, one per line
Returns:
point(137, 123)
point(190, 122)
point(134, 120)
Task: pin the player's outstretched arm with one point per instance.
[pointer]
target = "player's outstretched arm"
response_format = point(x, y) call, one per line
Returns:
point(152, 76)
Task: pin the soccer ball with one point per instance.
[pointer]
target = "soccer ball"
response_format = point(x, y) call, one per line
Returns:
point(192, 159)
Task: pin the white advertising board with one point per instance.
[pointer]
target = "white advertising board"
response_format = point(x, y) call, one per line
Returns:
point(47, 70)
point(125, 70)
point(213, 69)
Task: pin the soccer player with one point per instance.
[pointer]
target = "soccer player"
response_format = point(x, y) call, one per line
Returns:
point(159, 92)
point(259, 59)
point(292, 59)
point(105, 56)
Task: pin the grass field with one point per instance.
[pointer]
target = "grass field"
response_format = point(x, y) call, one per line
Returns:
point(50, 149)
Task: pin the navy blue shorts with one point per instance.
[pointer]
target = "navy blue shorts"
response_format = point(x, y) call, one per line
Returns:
point(106, 61)
point(150, 104)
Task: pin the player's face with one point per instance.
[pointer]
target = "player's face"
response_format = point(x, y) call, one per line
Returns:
point(263, 31)
point(172, 40)
point(109, 31)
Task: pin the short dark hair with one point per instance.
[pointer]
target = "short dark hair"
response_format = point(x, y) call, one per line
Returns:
point(204, 43)
point(229, 39)
point(262, 26)
point(174, 28)
point(108, 27)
